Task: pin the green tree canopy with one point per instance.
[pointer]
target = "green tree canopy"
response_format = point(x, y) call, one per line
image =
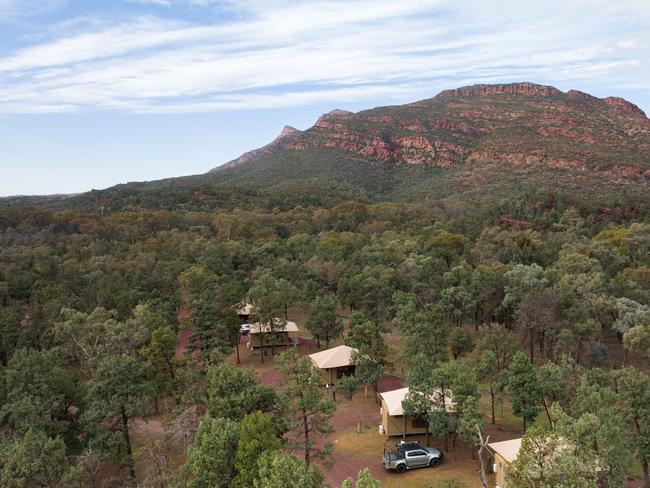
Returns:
point(634, 387)
point(364, 480)
point(488, 371)
point(461, 342)
point(234, 393)
point(269, 300)
point(279, 470)
point(211, 458)
point(257, 435)
point(42, 395)
point(523, 388)
point(322, 320)
point(308, 410)
point(34, 460)
point(120, 391)
point(545, 460)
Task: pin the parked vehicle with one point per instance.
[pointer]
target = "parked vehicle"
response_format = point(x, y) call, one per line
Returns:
point(410, 455)
point(245, 329)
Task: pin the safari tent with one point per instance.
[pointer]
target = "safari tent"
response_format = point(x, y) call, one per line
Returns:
point(285, 333)
point(334, 363)
point(393, 419)
point(245, 312)
point(503, 453)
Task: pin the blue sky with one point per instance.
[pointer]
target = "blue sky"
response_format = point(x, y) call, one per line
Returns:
point(94, 93)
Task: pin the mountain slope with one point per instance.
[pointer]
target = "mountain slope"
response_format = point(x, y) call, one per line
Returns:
point(519, 123)
point(474, 144)
point(471, 145)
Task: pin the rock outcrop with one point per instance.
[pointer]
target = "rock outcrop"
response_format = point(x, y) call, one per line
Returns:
point(516, 123)
point(621, 102)
point(526, 88)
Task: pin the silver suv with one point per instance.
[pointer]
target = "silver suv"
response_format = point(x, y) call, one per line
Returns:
point(410, 455)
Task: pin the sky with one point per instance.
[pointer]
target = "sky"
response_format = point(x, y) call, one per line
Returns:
point(95, 93)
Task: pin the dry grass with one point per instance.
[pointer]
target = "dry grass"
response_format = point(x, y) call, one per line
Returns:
point(354, 451)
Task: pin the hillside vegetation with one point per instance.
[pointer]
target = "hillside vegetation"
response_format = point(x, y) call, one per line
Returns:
point(472, 146)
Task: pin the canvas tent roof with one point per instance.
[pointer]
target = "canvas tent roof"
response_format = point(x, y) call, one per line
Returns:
point(508, 450)
point(393, 400)
point(247, 309)
point(289, 326)
point(335, 357)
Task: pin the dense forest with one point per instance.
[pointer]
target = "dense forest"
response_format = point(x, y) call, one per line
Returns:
point(534, 309)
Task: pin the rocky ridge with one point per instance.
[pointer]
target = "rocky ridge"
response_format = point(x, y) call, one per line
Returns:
point(518, 123)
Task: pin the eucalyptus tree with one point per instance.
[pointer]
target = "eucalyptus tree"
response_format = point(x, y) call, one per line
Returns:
point(234, 393)
point(488, 371)
point(210, 459)
point(545, 460)
point(119, 392)
point(280, 470)
point(160, 353)
point(423, 329)
point(258, 434)
point(41, 394)
point(308, 410)
point(524, 389)
point(634, 388)
point(322, 320)
point(370, 357)
point(269, 298)
point(36, 460)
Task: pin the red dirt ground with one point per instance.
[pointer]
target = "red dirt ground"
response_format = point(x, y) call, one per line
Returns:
point(269, 378)
point(148, 429)
point(390, 382)
point(182, 341)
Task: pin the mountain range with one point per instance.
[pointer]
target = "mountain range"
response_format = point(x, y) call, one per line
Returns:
point(467, 145)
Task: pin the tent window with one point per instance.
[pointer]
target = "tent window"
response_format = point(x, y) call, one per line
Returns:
point(346, 371)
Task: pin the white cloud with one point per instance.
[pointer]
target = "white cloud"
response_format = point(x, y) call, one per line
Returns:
point(190, 3)
point(281, 53)
point(160, 3)
point(25, 8)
